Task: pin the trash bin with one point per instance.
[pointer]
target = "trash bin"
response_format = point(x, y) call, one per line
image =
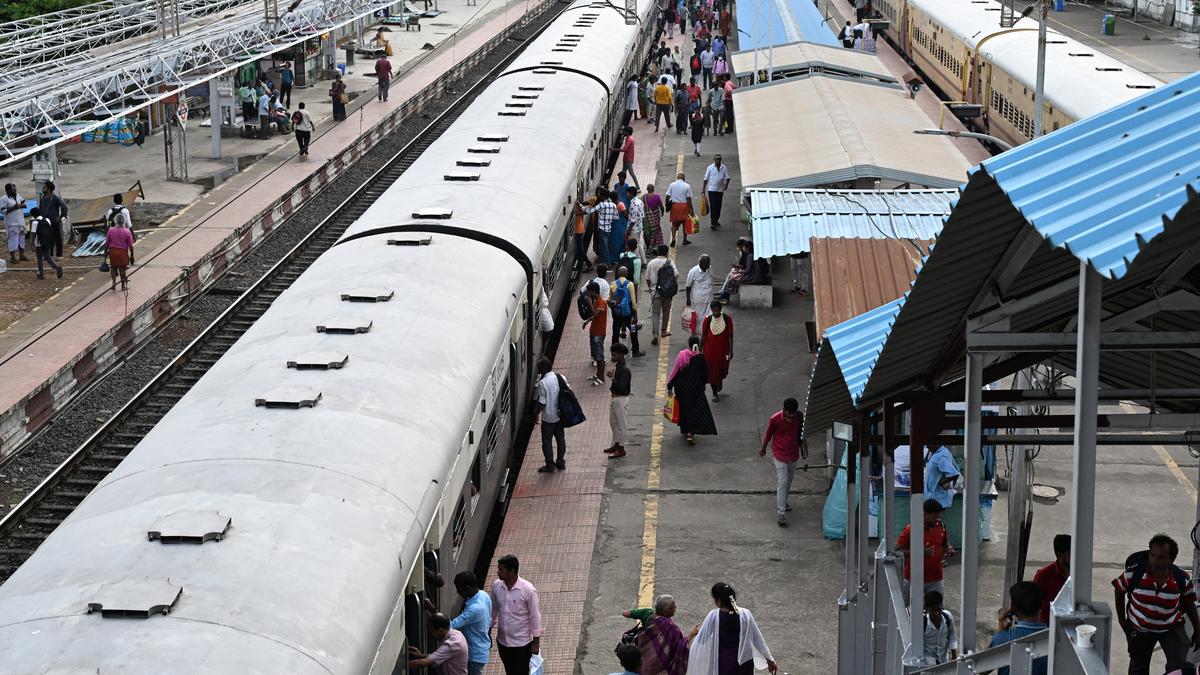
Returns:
point(350, 56)
point(1110, 24)
point(1060, 6)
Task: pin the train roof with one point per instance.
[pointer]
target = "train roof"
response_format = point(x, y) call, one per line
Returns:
point(344, 486)
point(1080, 80)
point(970, 20)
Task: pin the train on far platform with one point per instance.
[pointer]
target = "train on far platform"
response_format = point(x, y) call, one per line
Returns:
point(961, 48)
point(284, 515)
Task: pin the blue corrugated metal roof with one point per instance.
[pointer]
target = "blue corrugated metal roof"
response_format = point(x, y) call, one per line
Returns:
point(776, 22)
point(858, 341)
point(1102, 187)
point(783, 221)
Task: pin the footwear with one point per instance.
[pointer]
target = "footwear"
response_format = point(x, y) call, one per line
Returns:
point(610, 448)
point(715, 227)
point(672, 243)
point(596, 382)
point(620, 452)
point(687, 242)
point(665, 333)
point(654, 341)
point(548, 468)
point(58, 273)
point(40, 276)
point(561, 465)
point(691, 439)
point(640, 353)
point(787, 508)
point(782, 521)
point(716, 398)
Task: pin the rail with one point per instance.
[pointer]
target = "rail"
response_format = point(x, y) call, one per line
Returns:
point(13, 520)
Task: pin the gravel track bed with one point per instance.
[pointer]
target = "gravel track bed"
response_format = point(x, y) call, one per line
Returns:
point(72, 426)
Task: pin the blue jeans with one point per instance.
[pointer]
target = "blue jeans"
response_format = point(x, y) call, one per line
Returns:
point(602, 250)
point(475, 668)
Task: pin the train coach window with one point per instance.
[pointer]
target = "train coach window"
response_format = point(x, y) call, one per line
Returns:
point(458, 528)
point(495, 423)
point(476, 481)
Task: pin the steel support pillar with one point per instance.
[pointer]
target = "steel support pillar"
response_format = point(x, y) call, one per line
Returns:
point(214, 116)
point(888, 510)
point(1087, 367)
point(851, 518)
point(1018, 500)
point(970, 529)
point(916, 551)
point(862, 598)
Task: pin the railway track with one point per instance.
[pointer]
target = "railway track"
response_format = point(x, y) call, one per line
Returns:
point(30, 522)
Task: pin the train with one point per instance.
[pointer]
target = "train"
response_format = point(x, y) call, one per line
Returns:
point(285, 515)
point(963, 51)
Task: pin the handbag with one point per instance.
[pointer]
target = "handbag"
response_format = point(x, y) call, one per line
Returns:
point(104, 265)
point(570, 413)
point(688, 320)
point(670, 413)
point(545, 318)
point(629, 637)
point(536, 664)
point(343, 99)
point(703, 205)
point(692, 225)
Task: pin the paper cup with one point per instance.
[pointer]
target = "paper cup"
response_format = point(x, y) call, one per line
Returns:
point(1083, 635)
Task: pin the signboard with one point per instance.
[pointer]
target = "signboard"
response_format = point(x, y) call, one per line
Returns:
point(843, 431)
point(182, 112)
point(631, 16)
point(225, 87)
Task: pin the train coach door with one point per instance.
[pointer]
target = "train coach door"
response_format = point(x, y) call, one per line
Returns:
point(514, 380)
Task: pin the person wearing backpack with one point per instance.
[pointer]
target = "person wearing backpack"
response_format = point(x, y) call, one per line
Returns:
point(663, 281)
point(1152, 596)
point(548, 390)
point(623, 305)
point(118, 215)
point(303, 124)
point(941, 639)
point(40, 231)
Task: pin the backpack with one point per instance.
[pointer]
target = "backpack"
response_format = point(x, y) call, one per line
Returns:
point(695, 62)
point(110, 218)
point(622, 302)
point(667, 284)
point(1138, 564)
point(584, 304)
point(296, 118)
point(570, 413)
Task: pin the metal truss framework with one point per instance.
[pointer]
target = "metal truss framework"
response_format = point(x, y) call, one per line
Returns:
point(58, 35)
point(37, 102)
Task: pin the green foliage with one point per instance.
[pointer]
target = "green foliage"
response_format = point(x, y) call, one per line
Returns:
point(11, 10)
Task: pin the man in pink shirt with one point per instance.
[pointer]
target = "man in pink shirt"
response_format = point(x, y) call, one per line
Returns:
point(628, 152)
point(516, 615)
point(450, 657)
point(787, 446)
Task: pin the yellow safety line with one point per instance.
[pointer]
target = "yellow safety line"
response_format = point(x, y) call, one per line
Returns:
point(1173, 467)
point(650, 513)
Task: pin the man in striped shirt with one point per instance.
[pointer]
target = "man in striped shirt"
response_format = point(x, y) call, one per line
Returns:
point(1152, 595)
point(607, 215)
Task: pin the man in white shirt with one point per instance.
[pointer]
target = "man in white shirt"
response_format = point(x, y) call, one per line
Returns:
point(12, 208)
point(699, 290)
point(941, 639)
point(716, 181)
point(601, 280)
point(547, 409)
point(117, 215)
point(304, 127)
point(679, 200)
point(631, 100)
point(660, 300)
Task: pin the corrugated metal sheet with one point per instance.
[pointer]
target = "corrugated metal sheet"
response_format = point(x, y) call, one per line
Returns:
point(798, 20)
point(1105, 186)
point(853, 276)
point(798, 56)
point(844, 362)
point(827, 131)
point(783, 221)
point(1119, 191)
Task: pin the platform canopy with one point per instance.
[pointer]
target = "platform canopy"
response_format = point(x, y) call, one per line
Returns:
point(825, 130)
point(1119, 193)
point(853, 276)
point(784, 221)
point(795, 58)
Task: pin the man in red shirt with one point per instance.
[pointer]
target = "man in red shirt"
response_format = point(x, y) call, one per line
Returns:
point(628, 153)
point(787, 447)
point(1153, 595)
point(383, 71)
point(1052, 577)
point(937, 548)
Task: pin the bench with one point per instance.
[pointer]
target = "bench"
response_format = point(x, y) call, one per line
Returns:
point(755, 296)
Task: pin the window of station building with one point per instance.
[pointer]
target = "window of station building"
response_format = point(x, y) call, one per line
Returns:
point(458, 528)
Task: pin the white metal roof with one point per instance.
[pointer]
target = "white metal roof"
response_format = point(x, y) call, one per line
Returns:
point(1081, 81)
point(808, 55)
point(813, 131)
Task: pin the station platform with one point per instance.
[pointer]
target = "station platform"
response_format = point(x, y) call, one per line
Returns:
point(1164, 52)
point(78, 327)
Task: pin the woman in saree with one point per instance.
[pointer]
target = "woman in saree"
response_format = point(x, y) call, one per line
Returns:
point(729, 641)
point(687, 381)
point(664, 646)
point(717, 345)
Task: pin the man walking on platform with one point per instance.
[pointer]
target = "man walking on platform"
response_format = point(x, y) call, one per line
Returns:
point(287, 77)
point(679, 198)
point(54, 209)
point(303, 124)
point(631, 103)
point(663, 280)
point(474, 621)
point(937, 549)
point(618, 410)
point(663, 96)
point(1053, 577)
point(716, 182)
point(383, 71)
point(516, 616)
point(699, 290)
point(787, 447)
point(548, 390)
